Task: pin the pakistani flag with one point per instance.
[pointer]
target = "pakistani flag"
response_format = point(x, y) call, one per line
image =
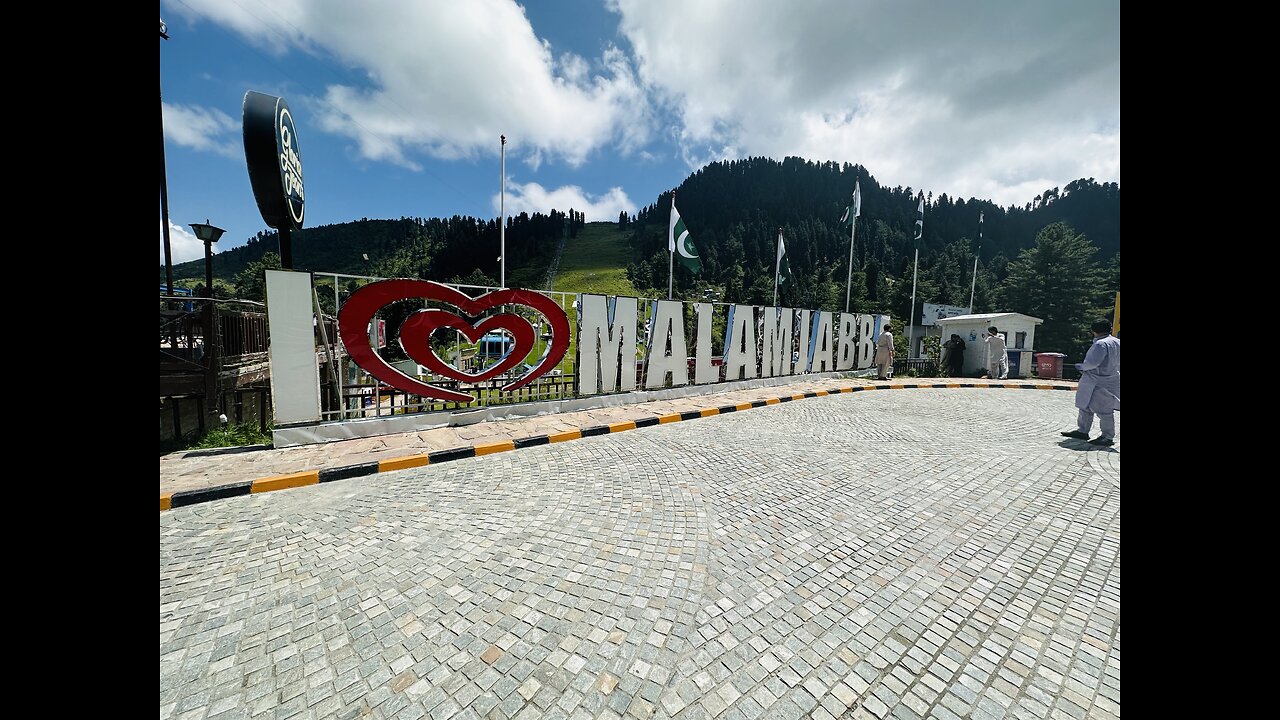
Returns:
point(979, 228)
point(855, 207)
point(679, 242)
point(920, 220)
point(784, 267)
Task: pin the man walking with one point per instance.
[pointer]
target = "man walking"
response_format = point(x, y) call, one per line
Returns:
point(997, 356)
point(884, 353)
point(1099, 389)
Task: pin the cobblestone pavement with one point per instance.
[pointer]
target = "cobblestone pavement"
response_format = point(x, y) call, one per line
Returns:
point(202, 469)
point(939, 553)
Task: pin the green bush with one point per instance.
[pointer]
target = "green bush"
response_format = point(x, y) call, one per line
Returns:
point(228, 436)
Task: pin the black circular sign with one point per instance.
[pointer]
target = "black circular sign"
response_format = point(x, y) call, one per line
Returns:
point(275, 162)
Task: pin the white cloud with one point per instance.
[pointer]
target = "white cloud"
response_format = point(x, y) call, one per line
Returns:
point(972, 99)
point(199, 128)
point(446, 78)
point(183, 244)
point(984, 99)
point(532, 198)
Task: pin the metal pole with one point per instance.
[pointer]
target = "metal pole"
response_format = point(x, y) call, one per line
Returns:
point(164, 193)
point(671, 270)
point(502, 204)
point(286, 248)
point(848, 283)
point(777, 267)
point(324, 338)
point(164, 209)
point(671, 251)
point(974, 285)
point(911, 321)
point(208, 269)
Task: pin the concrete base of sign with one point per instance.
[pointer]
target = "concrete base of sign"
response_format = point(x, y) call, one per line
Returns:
point(372, 427)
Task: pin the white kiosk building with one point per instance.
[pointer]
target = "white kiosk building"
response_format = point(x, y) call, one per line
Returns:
point(1019, 333)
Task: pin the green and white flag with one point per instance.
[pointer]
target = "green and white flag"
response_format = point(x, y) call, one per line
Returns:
point(784, 267)
point(855, 207)
point(920, 219)
point(679, 243)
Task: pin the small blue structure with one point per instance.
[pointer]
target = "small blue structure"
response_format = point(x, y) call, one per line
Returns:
point(188, 306)
point(494, 346)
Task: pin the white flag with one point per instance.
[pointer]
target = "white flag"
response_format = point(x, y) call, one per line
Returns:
point(671, 228)
point(783, 262)
point(857, 199)
point(920, 219)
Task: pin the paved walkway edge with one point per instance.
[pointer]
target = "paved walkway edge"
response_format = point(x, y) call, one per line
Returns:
point(313, 477)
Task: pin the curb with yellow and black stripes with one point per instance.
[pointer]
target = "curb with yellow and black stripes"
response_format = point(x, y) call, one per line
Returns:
point(315, 477)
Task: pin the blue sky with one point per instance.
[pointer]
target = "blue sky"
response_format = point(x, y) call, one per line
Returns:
point(606, 104)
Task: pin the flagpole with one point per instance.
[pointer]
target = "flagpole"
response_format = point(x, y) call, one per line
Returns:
point(671, 254)
point(915, 272)
point(777, 268)
point(502, 229)
point(974, 285)
point(911, 322)
point(848, 283)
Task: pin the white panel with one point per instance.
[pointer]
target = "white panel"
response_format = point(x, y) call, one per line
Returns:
point(821, 355)
point(295, 376)
point(775, 342)
point(740, 343)
point(802, 341)
point(846, 348)
point(666, 331)
point(703, 371)
point(606, 344)
point(866, 342)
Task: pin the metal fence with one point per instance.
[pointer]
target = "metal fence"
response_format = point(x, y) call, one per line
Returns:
point(356, 394)
point(184, 335)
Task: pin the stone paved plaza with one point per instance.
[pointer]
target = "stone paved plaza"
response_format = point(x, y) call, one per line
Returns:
point(906, 554)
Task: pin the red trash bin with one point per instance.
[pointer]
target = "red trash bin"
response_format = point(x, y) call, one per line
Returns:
point(1049, 365)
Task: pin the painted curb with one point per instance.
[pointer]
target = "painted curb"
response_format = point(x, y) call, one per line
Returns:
point(313, 477)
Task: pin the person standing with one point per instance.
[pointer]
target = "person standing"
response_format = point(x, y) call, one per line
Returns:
point(884, 353)
point(953, 357)
point(997, 356)
point(1099, 389)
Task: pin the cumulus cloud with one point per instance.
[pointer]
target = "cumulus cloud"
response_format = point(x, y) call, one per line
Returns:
point(182, 242)
point(983, 99)
point(199, 128)
point(532, 197)
point(445, 78)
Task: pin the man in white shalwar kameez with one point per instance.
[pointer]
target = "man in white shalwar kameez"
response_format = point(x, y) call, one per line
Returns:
point(1099, 390)
point(997, 355)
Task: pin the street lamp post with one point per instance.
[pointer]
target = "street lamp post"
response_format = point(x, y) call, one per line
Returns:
point(209, 234)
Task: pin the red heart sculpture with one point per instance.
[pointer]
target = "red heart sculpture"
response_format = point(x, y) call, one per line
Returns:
point(415, 335)
point(358, 311)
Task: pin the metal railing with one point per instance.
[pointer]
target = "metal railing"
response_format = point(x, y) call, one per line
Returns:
point(184, 336)
point(363, 396)
point(922, 367)
point(356, 394)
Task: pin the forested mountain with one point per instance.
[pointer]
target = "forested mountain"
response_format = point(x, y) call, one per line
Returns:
point(1056, 257)
point(733, 211)
point(434, 248)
